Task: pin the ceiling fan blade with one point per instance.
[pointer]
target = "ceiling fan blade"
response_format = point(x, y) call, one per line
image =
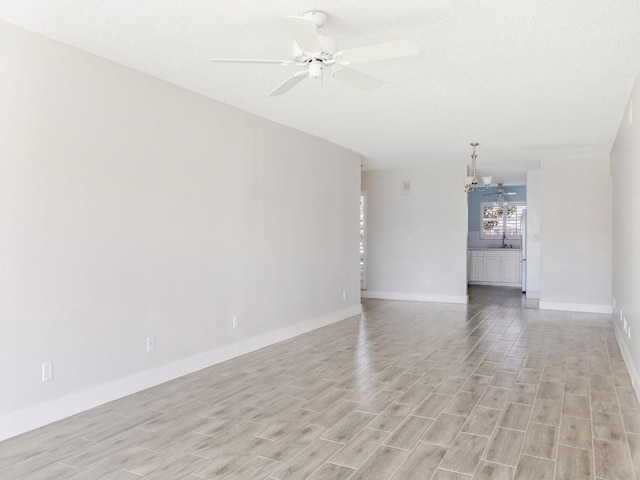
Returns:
point(509, 193)
point(305, 33)
point(356, 79)
point(288, 84)
point(251, 60)
point(380, 51)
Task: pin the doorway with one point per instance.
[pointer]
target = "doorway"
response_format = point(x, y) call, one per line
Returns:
point(363, 240)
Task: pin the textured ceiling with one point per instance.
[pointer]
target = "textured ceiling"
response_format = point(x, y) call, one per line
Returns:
point(528, 80)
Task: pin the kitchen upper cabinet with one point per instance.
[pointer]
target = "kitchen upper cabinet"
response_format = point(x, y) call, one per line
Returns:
point(494, 266)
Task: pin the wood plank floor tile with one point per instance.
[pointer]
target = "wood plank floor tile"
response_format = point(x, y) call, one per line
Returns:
point(449, 475)
point(392, 417)
point(612, 460)
point(433, 405)
point(608, 427)
point(354, 453)
point(482, 421)
point(515, 416)
point(493, 471)
point(307, 461)
point(407, 435)
point(331, 471)
point(541, 441)
point(348, 427)
point(532, 468)
point(495, 389)
point(575, 432)
point(381, 465)
point(574, 463)
point(444, 430)
point(465, 453)
point(546, 412)
point(421, 463)
point(505, 446)
point(494, 397)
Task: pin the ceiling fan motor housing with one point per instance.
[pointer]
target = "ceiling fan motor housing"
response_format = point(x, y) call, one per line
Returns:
point(317, 16)
point(329, 47)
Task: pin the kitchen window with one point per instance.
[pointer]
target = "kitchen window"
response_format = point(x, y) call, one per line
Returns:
point(498, 221)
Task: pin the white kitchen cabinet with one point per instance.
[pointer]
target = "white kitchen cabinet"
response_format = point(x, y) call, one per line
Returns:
point(511, 270)
point(476, 269)
point(492, 266)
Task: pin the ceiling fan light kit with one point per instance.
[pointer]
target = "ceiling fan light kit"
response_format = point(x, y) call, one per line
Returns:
point(318, 54)
point(500, 194)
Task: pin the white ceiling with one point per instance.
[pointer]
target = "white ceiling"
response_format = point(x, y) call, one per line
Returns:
point(528, 80)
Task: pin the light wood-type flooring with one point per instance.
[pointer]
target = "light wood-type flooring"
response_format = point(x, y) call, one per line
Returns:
point(491, 390)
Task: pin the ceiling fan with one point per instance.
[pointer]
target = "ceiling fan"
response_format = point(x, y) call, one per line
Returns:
point(500, 193)
point(318, 55)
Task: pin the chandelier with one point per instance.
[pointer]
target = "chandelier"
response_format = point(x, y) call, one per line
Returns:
point(472, 183)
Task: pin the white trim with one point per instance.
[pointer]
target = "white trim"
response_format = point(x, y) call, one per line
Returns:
point(416, 297)
point(25, 420)
point(496, 284)
point(628, 359)
point(576, 307)
point(533, 294)
point(363, 203)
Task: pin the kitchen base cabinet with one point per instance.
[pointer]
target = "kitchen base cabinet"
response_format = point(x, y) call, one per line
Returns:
point(493, 266)
point(476, 270)
point(511, 270)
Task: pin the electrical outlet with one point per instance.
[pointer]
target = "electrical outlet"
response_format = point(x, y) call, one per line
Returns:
point(235, 321)
point(344, 295)
point(47, 371)
point(614, 302)
point(151, 344)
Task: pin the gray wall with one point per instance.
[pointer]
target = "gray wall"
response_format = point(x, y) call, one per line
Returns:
point(130, 207)
point(416, 243)
point(625, 158)
point(576, 234)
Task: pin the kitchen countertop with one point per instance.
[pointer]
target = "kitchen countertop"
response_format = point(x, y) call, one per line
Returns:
point(492, 248)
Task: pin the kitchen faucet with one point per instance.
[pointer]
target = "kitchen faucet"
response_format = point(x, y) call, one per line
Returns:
point(504, 238)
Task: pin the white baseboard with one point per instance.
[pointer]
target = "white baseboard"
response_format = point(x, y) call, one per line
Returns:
point(533, 294)
point(416, 297)
point(628, 360)
point(63, 407)
point(496, 284)
point(576, 307)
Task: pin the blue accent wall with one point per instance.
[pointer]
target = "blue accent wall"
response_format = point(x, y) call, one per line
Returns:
point(474, 200)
